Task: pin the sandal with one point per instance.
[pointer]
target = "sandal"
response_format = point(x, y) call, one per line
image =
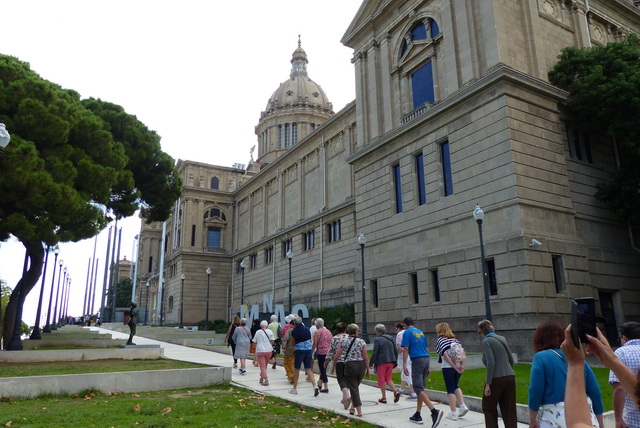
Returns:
point(396, 397)
point(382, 400)
point(352, 411)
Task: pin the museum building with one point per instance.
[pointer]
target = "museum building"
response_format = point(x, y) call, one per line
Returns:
point(453, 109)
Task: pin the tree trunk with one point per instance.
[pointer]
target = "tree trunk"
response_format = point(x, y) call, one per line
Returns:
point(35, 253)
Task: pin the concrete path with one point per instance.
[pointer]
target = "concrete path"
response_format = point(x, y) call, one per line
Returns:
point(383, 415)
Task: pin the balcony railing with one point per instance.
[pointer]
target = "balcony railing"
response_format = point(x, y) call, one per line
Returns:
point(415, 113)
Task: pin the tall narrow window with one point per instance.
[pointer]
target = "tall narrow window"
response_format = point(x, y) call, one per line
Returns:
point(313, 126)
point(213, 237)
point(253, 260)
point(374, 293)
point(422, 191)
point(422, 85)
point(333, 231)
point(558, 273)
point(287, 135)
point(279, 136)
point(579, 145)
point(414, 292)
point(397, 188)
point(193, 235)
point(150, 263)
point(215, 183)
point(294, 132)
point(435, 283)
point(268, 255)
point(286, 246)
point(307, 240)
point(445, 160)
point(493, 281)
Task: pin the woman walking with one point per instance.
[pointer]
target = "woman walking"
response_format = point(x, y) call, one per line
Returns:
point(288, 348)
point(356, 365)
point(255, 327)
point(264, 348)
point(549, 380)
point(384, 357)
point(229, 338)
point(338, 367)
point(242, 338)
point(321, 344)
point(451, 370)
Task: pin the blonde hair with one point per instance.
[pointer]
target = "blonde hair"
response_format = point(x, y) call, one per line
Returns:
point(352, 328)
point(236, 320)
point(443, 329)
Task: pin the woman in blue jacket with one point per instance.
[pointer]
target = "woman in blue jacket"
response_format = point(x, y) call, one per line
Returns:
point(549, 379)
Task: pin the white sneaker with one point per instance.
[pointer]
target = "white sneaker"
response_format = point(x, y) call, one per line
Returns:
point(463, 410)
point(293, 391)
point(452, 416)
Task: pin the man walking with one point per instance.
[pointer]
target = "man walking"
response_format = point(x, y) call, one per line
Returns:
point(275, 328)
point(414, 345)
point(500, 383)
point(624, 408)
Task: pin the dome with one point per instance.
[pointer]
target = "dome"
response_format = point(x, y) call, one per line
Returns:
point(299, 90)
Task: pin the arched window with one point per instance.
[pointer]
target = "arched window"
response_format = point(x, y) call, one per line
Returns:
point(215, 183)
point(215, 213)
point(420, 31)
point(170, 304)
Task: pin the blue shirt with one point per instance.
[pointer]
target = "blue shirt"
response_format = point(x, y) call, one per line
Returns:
point(549, 381)
point(416, 341)
point(302, 336)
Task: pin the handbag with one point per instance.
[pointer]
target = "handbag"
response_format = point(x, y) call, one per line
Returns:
point(344, 371)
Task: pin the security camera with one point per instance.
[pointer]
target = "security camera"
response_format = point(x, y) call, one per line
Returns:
point(535, 242)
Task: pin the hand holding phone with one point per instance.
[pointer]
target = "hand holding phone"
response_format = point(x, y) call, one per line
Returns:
point(583, 319)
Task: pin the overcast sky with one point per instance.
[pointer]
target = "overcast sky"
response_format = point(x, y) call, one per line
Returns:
point(197, 72)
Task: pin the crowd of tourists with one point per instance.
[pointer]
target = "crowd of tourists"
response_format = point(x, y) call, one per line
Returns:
point(563, 391)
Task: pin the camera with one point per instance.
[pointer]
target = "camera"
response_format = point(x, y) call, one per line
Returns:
point(583, 319)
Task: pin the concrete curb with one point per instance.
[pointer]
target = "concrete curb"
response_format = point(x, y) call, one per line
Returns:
point(81, 354)
point(126, 382)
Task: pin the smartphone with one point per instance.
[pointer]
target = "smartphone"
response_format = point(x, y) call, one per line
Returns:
point(583, 319)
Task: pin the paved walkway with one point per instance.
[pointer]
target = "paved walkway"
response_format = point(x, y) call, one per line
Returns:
point(383, 415)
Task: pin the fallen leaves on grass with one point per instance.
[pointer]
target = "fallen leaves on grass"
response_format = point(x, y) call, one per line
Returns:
point(241, 402)
point(137, 408)
point(165, 410)
point(8, 424)
point(7, 399)
point(89, 396)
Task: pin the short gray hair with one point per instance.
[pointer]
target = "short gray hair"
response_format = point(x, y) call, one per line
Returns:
point(274, 318)
point(297, 320)
point(263, 323)
point(381, 328)
point(319, 322)
point(243, 321)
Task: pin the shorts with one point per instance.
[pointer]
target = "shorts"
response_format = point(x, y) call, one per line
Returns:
point(419, 373)
point(302, 358)
point(451, 378)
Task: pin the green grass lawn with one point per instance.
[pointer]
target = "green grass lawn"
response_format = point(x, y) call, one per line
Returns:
point(216, 406)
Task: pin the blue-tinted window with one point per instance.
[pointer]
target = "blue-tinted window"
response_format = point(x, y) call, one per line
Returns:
point(287, 134)
point(422, 85)
point(422, 192)
point(213, 237)
point(294, 131)
point(419, 32)
point(279, 136)
point(434, 30)
point(313, 126)
point(397, 187)
point(215, 183)
point(447, 177)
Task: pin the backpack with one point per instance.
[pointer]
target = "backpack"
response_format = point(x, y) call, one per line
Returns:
point(456, 352)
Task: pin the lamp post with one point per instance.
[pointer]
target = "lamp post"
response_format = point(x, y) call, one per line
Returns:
point(47, 326)
point(146, 306)
point(162, 304)
point(478, 214)
point(182, 277)
point(4, 137)
point(362, 240)
point(54, 325)
point(64, 281)
point(35, 334)
point(290, 256)
point(243, 265)
point(206, 316)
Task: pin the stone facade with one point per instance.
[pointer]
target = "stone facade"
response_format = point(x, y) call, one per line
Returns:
point(406, 163)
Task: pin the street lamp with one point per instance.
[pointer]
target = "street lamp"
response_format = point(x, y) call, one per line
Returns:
point(182, 277)
point(478, 214)
point(206, 317)
point(243, 265)
point(290, 256)
point(146, 306)
point(64, 282)
point(4, 137)
point(47, 326)
point(362, 240)
point(35, 334)
point(54, 325)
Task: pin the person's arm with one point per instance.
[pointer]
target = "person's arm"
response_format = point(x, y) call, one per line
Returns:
point(226, 338)
point(593, 390)
point(365, 357)
point(536, 389)
point(619, 397)
point(576, 409)
point(600, 348)
point(487, 351)
point(376, 351)
point(336, 358)
point(315, 344)
point(405, 356)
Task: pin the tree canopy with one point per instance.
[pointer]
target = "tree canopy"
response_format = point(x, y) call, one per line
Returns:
point(71, 167)
point(604, 96)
